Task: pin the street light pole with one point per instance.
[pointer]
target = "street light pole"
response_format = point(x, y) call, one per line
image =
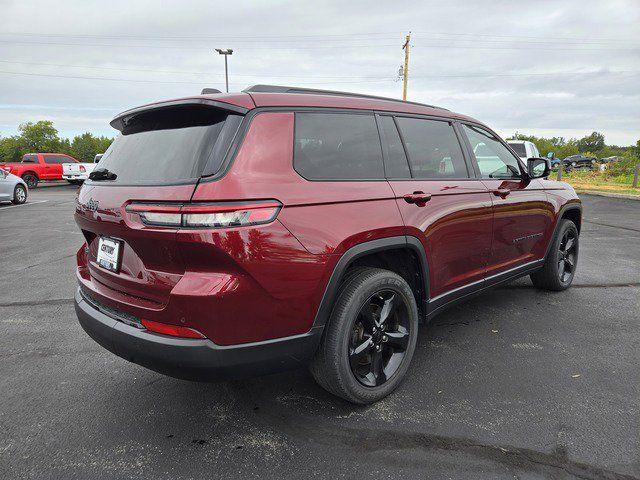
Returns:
point(226, 53)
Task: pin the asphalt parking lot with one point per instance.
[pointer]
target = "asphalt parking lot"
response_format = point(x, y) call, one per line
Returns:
point(518, 383)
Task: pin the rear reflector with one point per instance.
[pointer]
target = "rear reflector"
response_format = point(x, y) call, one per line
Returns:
point(207, 215)
point(171, 330)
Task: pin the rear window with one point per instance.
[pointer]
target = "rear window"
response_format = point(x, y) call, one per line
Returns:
point(337, 146)
point(172, 145)
point(519, 148)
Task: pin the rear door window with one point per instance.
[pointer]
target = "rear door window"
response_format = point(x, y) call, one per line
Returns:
point(56, 159)
point(171, 145)
point(433, 148)
point(29, 159)
point(337, 146)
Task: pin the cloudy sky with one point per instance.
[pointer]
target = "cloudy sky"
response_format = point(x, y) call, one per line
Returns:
point(553, 68)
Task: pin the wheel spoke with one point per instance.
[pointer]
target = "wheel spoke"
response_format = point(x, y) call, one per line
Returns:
point(357, 354)
point(569, 262)
point(398, 340)
point(570, 244)
point(387, 309)
point(368, 317)
point(377, 368)
point(561, 268)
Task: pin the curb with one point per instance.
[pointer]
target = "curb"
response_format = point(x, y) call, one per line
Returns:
point(606, 194)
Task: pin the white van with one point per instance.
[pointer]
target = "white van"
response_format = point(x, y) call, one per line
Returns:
point(524, 148)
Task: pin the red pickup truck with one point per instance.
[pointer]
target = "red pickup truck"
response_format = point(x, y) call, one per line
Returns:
point(36, 167)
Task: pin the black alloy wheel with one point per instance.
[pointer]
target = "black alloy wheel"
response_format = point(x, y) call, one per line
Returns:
point(561, 261)
point(30, 180)
point(379, 338)
point(370, 337)
point(567, 256)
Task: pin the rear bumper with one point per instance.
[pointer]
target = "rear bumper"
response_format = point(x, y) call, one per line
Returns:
point(196, 359)
point(79, 176)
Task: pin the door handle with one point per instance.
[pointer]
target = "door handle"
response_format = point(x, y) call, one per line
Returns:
point(419, 198)
point(501, 192)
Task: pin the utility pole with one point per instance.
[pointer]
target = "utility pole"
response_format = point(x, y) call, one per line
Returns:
point(226, 53)
point(405, 73)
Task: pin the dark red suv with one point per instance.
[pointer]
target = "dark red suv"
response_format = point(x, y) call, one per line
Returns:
point(237, 234)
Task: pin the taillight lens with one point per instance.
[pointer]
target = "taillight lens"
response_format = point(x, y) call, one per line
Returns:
point(171, 330)
point(82, 169)
point(206, 215)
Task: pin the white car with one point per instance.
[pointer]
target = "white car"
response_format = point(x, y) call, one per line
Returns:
point(12, 189)
point(79, 172)
point(524, 149)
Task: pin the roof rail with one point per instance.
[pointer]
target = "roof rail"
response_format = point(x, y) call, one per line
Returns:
point(207, 91)
point(314, 91)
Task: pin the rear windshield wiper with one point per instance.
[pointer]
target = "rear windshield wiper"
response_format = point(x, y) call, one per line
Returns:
point(102, 174)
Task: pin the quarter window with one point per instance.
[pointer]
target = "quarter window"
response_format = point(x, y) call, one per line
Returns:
point(395, 163)
point(337, 146)
point(433, 148)
point(494, 159)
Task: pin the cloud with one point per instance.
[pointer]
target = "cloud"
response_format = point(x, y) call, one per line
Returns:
point(571, 66)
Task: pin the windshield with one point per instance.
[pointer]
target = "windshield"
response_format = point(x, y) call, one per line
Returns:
point(519, 149)
point(172, 145)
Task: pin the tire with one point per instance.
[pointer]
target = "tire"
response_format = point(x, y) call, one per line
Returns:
point(31, 180)
point(561, 262)
point(373, 328)
point(19, 195)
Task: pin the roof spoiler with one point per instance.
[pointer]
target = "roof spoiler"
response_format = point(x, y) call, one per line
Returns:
point(121, 120)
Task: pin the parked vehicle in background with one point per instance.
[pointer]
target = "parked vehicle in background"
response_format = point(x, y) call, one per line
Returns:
point(553, 160)
point(524, 148)
point(12, 188)
point(579, 162)
point(78, 172)
point(615, 158)
point(38, 167)
point(231, 235)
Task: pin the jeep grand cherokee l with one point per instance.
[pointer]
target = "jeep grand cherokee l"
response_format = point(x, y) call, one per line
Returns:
point(238, 234)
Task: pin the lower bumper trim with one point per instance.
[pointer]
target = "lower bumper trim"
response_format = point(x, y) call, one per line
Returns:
point(195, 359)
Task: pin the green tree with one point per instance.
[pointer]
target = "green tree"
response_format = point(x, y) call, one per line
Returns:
point(40, 136)
point(10, 149)
point(85, 147)
point(592, 143)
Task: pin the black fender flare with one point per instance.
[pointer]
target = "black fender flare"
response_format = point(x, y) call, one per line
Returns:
point(564, 209)
point(360, 250)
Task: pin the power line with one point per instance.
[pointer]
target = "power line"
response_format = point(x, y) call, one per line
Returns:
point(79, 77)
point(336, 37)
point(294, 48)
point(371, 80)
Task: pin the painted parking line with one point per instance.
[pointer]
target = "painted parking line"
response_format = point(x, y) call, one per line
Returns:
point(23, 205)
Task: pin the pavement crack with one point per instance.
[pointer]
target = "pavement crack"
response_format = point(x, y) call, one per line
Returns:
point(612, 226)
point(35, 303)
point(586, 285)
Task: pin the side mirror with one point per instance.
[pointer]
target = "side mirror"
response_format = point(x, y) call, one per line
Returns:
point(3, 173)
point(538, 167)
point(550, 155)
